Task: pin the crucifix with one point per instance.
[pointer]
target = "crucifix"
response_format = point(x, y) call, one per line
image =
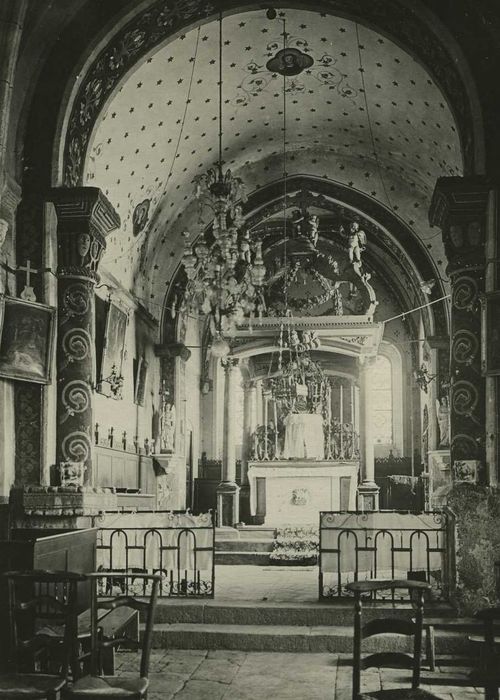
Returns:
point(28, 293)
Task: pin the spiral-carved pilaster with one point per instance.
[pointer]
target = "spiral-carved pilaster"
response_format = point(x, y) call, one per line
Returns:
point(459, 208)
point(85, 217)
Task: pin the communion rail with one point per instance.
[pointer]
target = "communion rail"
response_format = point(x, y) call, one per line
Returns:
point(177, 545)
point(356, 546)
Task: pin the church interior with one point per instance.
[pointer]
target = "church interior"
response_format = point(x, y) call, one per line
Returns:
point(249, 294)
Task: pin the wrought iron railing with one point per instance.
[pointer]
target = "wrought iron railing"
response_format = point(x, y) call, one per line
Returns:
point(177, 545)
point(357, 546)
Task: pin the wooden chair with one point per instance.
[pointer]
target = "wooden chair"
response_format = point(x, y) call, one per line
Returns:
point(42, 624)
point(367, 589)
point(488, 674)
point(96, 685)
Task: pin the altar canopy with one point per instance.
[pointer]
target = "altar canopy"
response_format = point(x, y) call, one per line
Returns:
point(304, 436)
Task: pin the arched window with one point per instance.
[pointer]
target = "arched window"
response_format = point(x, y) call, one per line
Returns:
point(388, 408)
point(382, 401)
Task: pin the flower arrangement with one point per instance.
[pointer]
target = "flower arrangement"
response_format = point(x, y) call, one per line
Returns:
point(298, 545)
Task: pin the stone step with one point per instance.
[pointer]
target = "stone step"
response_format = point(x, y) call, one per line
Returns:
point(288, 638)
point(243, 558)
point(269, 613)
point(262, 545)
point(249, 532)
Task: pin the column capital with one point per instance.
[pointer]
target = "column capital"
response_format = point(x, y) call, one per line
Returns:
point(230, 363)
point(84, 218)
point(249, 384)
point(366, 362)
point(171, 350)
point(458, 207)
point(458, 197)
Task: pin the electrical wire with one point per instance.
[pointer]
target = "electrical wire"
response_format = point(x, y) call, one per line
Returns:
point(179, 137)
point(417, 308)
point(370, 126)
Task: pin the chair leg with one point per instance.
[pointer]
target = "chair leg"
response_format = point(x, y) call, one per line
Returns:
point(430, 648)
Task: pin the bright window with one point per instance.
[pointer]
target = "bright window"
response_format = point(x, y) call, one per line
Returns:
point(381, 401)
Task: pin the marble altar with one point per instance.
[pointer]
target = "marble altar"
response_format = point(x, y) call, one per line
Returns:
point(297, 490)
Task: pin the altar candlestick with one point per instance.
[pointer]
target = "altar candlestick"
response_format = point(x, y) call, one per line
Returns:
point(266, 456)
point(275, 415)
point(341, 418)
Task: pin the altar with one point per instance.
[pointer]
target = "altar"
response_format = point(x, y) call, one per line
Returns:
point(293, 492)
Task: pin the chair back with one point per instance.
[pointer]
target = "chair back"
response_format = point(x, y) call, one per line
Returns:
point(490, 671)
point(43, 611)
point(141, 594)
point(367, 590)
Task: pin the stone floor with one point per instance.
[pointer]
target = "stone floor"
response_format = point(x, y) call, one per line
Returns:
point(234, 675)
point(275, 584)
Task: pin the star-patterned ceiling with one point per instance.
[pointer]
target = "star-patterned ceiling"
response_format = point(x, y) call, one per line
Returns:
point(365, 114)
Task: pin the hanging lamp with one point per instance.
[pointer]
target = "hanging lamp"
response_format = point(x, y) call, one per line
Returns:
point(225, 270)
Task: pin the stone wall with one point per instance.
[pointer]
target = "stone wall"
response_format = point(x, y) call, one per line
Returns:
point(477, 511)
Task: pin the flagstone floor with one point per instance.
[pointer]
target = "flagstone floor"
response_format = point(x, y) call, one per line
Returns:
point(232, 675)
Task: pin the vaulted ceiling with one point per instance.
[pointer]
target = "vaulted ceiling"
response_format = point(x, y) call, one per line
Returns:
point(365, 115)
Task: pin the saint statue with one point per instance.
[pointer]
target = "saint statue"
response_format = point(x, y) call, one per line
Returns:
point(167, 428)
point(443, 417)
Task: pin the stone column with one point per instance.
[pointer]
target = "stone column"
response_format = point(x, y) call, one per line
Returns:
point(459, 208)
point(249, 422)
point(84, 218)
point(228, 490)
point(368, 491)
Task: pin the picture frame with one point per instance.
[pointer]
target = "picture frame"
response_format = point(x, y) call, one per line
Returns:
point(140, 379)
point(27, 331)
point(110, 382)
point(490, 334)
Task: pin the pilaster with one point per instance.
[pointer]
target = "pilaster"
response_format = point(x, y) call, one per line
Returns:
point(84, 218)
point(459, 207)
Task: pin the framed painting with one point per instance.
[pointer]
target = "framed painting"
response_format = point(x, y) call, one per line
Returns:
point(490, 334)
point(140, 378)
point(113, 351)
point(26, 340)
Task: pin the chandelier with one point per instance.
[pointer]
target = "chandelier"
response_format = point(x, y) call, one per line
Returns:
point(300, 385)
point(225, 271)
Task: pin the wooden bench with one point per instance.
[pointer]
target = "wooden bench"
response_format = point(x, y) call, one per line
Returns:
point(122, 623)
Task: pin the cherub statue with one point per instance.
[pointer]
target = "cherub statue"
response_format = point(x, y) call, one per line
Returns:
point(357, 242)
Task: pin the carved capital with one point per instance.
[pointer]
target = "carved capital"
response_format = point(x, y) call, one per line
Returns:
point(229, 363)
point(170, 350)
point(84, 219)
point(459, 207)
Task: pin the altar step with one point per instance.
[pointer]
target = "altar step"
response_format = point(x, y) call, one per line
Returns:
point(249, 545)
point(279, 627)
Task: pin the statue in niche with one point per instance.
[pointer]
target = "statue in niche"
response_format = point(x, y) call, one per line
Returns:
point(443, 418)
point(357, 243)
point(167, 427)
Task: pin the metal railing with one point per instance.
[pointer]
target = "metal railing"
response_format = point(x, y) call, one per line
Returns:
point(178, 545)
point(355, 546)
